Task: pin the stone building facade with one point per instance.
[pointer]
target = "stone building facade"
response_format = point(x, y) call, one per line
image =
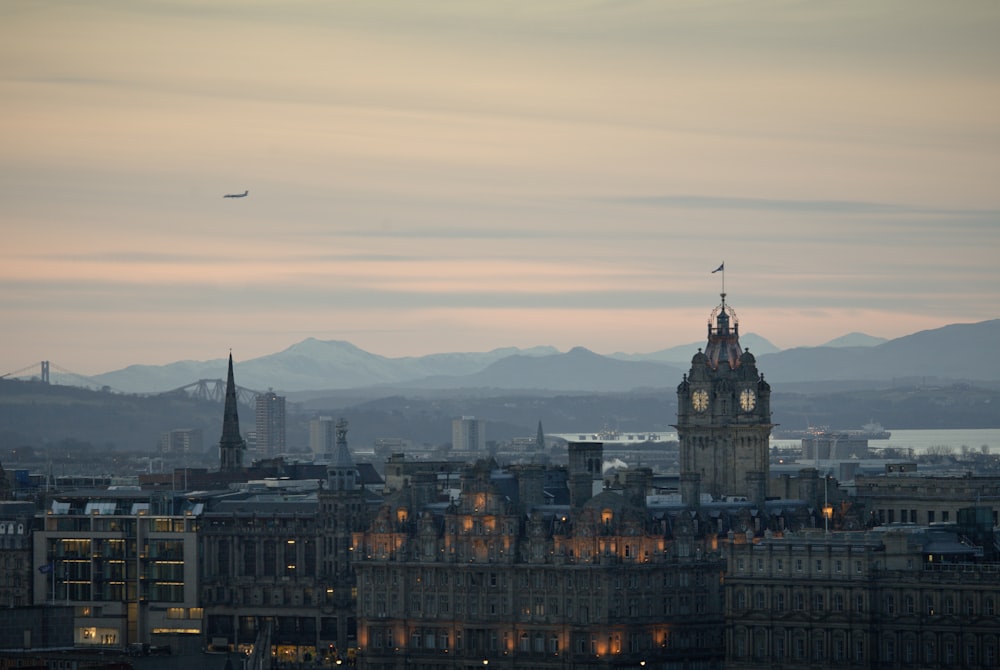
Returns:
point(724, 418)
point(925, 499)
point(487, 579)
point(284, 562)
point(916, 598)
point(16, 523)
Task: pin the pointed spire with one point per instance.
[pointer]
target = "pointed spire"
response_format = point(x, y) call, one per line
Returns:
point(231, 444)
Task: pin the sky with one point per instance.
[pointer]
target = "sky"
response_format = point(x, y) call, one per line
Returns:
point(456, 175)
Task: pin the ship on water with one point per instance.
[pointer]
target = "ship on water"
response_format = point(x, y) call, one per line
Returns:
point(870, 431)
point(611, 437)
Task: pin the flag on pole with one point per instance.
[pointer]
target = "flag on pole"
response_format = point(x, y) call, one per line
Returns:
point(47, 568)
point(719, 269)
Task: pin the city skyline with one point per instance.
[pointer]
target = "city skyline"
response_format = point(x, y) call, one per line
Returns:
point(462, 177)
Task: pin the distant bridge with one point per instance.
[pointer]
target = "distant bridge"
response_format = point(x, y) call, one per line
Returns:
point(215, 390)
point(40, 371)
point(204, 389)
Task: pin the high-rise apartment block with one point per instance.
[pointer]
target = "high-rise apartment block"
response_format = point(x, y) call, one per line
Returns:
point(322, 437)
point(182, 441)
point(270, 424)
point(468, 434)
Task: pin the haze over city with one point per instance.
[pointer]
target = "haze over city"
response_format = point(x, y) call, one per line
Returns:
point(451, 176)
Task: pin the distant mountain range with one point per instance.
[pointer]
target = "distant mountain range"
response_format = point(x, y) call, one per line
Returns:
point(959, 352)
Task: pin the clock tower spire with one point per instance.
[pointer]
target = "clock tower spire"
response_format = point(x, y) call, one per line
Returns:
point(724, 417)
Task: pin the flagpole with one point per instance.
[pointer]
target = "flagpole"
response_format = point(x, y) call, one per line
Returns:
point(722, 269)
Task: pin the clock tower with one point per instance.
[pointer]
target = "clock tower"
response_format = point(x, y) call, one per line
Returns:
point(723, 418)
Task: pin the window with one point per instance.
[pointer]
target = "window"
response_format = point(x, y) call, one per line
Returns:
point(819, 565)
point(838, 649)
point(798, 565)
point(780, 564)
point(779, 602)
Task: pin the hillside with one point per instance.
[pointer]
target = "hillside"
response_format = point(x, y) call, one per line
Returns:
point(955, 353)
point(58, 417)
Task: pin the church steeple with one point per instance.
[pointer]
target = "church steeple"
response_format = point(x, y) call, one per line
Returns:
point(231, 444)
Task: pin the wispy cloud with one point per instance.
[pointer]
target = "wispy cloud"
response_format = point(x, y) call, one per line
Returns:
point(474, 175)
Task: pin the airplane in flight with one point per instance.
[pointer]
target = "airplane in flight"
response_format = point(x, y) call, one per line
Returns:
point(237, 195)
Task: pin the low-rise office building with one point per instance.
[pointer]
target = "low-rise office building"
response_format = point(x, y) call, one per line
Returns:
point(125, 562)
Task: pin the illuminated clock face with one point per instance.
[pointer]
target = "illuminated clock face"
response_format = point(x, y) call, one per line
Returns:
point(748, 400)
point(699, 400)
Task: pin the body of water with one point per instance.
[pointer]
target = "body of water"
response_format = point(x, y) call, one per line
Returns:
point(921, 440)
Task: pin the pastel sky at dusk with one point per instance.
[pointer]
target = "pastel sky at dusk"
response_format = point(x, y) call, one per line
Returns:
point(463, 175)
